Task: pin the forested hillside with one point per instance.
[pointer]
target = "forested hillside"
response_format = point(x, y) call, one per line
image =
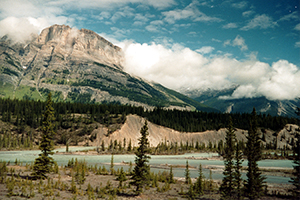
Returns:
point(29, 112)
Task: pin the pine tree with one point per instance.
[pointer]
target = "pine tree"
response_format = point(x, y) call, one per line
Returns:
point(227, 186)
point(141, 171)
point(255, 181)
point(171, 176)
point(295, 180)
point(44, 162)
point(199, 183)
point(112, 171)
point(237, 171)
point(187, 173)
point(121, 177)
point(129, 148)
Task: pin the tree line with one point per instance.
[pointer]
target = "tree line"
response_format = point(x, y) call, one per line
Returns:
point(29, 112)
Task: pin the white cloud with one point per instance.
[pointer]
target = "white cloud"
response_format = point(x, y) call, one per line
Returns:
point(189, 12)
point(260, 21)
point(292, 16)
point(140, 19)
point(20, 29)
point(297, 27)
point(40, 14)
point(297, 44)
point(205, 50)
point(95, 4)
point(155, 26)
point(238, 41)
point(21, 18)
point(240, 5)
point(230, 25)
point(248, 13)
point(179, 67)
point(122, 13)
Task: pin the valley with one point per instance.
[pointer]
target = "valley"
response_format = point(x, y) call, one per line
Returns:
point(97, 113)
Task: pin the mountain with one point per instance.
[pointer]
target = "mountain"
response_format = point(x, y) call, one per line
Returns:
point(215, 99)
point(78, 66)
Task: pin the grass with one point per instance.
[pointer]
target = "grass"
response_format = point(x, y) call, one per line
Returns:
point(5, 90)
point(27, 92)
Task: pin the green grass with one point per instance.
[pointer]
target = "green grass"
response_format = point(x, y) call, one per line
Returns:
point(27, 92)
point(6, 90)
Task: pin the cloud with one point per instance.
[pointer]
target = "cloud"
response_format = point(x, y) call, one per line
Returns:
point(141, 19)
point(240, 5)
point(122, 13)
point(260, 21)
point(248, 13)
point(238, 41)
point(21, 29)
point(180, 68)
point(230, 25)
point(292, 16)
point(297, 27)
point(205, 50)
point(155, 26)
point(297, 44)
point(189, 12)
point(40, 14)
point(108, 4)
point(21, 18)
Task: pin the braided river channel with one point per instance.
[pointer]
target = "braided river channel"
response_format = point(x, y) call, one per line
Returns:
point(209, 161)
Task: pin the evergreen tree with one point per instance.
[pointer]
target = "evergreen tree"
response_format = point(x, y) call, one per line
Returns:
point(43, 164)
point(237, 171)
point(121, 177)
point(227, 186)
point(129, 148)
point(187, 173)
point(171, 176)
point(141, 171)
point(200, 180)
point(295, 180)
point(112, 171)
point(255, 181)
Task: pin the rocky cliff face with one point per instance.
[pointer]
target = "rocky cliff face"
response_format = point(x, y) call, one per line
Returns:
point(78, 66)
point(64, 43)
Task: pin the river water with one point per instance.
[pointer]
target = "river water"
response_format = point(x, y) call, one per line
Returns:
point(157, 162)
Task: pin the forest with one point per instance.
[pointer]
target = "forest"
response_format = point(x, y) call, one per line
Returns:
point(29, 112)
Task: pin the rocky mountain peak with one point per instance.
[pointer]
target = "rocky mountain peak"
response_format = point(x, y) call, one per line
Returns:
point(71, 43)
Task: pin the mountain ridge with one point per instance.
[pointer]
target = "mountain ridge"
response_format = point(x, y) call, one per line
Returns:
point(215, 99)
point(78, 66)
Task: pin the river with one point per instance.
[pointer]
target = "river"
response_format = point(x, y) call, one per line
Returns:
point(157, 162)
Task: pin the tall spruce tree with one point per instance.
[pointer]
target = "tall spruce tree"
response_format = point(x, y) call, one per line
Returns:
point(295, 180)
point(141, 171)
point(227, 187)
point(187, 173)
point(43, 164)
point(237, 171)
point(199, 185)
point(254, 185)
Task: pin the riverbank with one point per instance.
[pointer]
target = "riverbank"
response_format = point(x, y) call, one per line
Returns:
point(59, 186)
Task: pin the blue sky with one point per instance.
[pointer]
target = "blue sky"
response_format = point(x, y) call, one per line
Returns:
point(184, 44)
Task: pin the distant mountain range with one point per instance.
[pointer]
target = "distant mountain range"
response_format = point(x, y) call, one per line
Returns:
point(81, 66)
point(78, 66)
point(213, 98)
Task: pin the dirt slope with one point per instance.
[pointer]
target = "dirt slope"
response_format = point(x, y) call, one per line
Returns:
point(131, 131)
point(157, 134)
